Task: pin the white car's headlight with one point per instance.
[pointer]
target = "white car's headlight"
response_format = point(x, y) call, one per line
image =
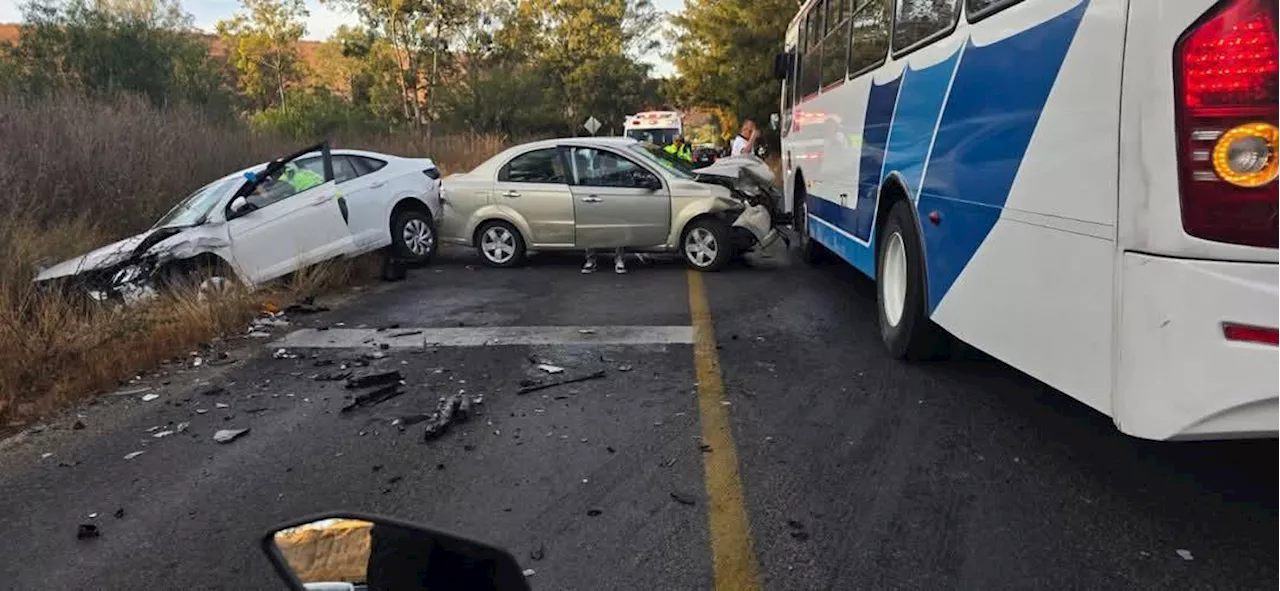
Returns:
point(126, 275)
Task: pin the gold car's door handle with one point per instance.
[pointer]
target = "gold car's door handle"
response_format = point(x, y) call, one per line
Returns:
point(591, 199)
point(512, 193)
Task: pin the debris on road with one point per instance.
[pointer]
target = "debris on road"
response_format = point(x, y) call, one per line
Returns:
point(594, 513)
point(133, 454)
point(87, 531)
point(371, 398)
point(149, 397)
point(228, 435)
point(1185, 554)
point(800, 535)
point(683, 499)
point(407, 333)
point(159, 434)
point(306, 305)
point(528, 572)
point(182, 427)
point(132, 391)
point(591, 376)
point(538, 553)
point(221, 405)
point(78, 425)
point(119, 514)
point(333, 376)
point(547, 367)
point(214, 391)
point(624, 368)
point(586, 331)
point(374, 379)
point(452, 409)
point(284, 354)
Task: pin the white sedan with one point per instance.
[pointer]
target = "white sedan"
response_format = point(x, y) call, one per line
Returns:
point(273, 219)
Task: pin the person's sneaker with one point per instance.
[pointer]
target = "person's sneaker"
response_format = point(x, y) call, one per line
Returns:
point(619, 266)
point(589, 266)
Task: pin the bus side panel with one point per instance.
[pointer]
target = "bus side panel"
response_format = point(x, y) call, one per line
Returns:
point(827, 147)
point(1021, 263)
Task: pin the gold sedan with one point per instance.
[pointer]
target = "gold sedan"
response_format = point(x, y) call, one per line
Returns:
point(570, 194)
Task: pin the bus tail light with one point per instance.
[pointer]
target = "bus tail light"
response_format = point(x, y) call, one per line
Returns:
point(1251, 334)
point(1225, 69)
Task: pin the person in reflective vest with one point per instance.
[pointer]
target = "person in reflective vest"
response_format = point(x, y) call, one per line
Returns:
point(300, 178)
point(680, 149)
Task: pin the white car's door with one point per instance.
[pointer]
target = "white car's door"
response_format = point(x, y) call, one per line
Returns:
point(288, 226)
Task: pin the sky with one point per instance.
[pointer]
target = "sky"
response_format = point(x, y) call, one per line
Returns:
point(322, 22)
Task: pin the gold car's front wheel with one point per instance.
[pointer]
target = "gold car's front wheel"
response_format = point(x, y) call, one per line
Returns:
point(705, 244)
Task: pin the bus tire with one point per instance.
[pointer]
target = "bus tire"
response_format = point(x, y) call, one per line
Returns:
point(811, 251)
point(901, 296)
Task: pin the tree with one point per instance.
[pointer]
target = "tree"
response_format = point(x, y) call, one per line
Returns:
point(724, 53)
point(262, 43)
point(106, 48)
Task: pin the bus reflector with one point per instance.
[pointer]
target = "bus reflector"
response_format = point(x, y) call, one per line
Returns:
point(1225, 69)
point(1251, 334)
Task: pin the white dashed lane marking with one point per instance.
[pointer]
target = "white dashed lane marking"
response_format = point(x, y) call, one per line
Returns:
point(486, 336)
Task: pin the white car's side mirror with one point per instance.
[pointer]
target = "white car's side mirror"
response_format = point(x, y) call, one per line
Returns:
point(239, 206)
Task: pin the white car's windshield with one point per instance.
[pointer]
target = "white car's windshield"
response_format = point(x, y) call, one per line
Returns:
point(656, 155)
point(194, 208)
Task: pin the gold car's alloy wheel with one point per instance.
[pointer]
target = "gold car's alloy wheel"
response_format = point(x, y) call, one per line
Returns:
point(700, 247)
point(498, 244)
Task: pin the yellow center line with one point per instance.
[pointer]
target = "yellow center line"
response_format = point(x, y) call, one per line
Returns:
point(733, 558)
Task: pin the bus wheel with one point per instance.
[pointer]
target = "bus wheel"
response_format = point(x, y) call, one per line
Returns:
point(905, 327)
point(810, 250)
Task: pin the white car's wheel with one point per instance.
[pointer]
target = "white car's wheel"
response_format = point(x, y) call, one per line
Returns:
point(500, 244)
point(413, 236)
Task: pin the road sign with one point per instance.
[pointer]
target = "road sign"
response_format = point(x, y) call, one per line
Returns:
point(592, 125)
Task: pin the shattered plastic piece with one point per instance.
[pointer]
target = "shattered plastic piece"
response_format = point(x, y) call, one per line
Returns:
point(257, 334)
point(624, 368)
point(228, 435)
point(159, 434)
point(119, 514)
point(93, 516)
point(407, 333)
point(1185, 554)
point(46, 455)
point(284, 354)
point(594, 513)
point(683, 499)
point(201, 411)
point(133, 454)
point(586, 331)
point(182, 427)
point(591, 376)
point(528, 572)
point(374, 379)
point(221, 405)
point(149, 397)
point(375, 397)
point(78, 425)
point(547, 367)
point(132, 391)
point(87, 531)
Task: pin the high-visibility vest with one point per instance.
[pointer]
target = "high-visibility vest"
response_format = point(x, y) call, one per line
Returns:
point(682, 152)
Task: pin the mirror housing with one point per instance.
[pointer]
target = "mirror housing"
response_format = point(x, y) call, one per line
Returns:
point(239, 206)
point(331, 551)
point(650, 182)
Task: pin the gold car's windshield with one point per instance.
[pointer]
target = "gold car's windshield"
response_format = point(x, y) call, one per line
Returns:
point(656, 155)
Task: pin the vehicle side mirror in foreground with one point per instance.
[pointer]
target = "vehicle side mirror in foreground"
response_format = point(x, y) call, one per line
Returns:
point(649, 182)
point(239, 206)
point(349, 551)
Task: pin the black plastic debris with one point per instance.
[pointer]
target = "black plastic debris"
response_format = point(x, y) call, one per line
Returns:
point(683, 499)
point(87, 531)
point(380, 395)
point(610, 449)
point(406, 333)
point(374, 379)
point(78, 425)
point(333, 376)
point(394, 479)
point(594, 513)
point(591, 376)
point(800, 535)
point(452, 409)
point(119, 514)
point(214, 391)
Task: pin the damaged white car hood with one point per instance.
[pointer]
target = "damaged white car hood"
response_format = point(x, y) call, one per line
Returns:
point(111, 254)
point(732, 167)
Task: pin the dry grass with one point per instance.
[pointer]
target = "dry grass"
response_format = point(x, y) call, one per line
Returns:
point(79, 174)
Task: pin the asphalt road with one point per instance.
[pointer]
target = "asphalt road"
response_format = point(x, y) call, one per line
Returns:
point(858, 472)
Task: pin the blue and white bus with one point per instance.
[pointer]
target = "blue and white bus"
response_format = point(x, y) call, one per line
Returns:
point(1083, 189)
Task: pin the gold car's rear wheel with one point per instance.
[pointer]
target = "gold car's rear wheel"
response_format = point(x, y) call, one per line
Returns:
point(500, 244)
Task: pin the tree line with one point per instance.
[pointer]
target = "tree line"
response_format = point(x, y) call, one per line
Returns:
point(512, 67)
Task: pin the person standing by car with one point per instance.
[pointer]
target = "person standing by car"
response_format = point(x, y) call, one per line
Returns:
point(745, 143)
point(680, 149)
point(619, 264)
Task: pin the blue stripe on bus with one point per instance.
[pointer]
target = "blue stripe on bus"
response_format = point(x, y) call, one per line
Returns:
point(914, 119)
point(875, 134)
point(996, 100)
point(838, 241)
